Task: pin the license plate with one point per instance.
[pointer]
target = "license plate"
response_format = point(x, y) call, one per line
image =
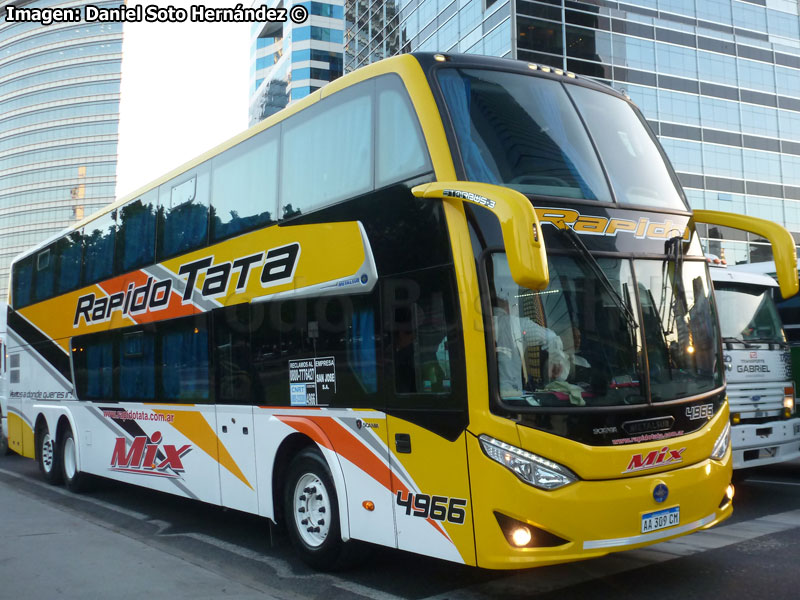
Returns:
point(661, 519)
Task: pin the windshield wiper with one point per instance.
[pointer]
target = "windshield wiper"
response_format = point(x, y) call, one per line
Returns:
point(590, 260)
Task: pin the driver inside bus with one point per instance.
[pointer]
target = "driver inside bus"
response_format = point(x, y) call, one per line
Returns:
point(513, 336)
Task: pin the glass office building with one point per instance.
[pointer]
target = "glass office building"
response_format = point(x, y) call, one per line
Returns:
point(59, 111)
point(290, 60)
point(718, 80)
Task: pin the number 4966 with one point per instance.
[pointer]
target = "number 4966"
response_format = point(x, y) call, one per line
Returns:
point(438, 508)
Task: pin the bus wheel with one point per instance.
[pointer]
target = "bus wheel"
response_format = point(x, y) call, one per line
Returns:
point(73, 478)
point(47, 456)
point(311, 511)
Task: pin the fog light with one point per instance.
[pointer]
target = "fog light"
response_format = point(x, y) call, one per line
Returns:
point(787, 413)
point(729, 491)
point(521, 536)
point(736, 418)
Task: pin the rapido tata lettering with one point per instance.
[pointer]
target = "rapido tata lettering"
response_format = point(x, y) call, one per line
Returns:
point(277, 267)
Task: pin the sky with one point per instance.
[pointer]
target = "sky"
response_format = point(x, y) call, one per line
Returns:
point(184, 90)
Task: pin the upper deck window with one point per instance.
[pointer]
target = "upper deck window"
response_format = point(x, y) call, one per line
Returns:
point(524, 132)
point(636, 167)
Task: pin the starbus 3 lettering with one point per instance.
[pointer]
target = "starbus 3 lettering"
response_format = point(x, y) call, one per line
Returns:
point(147, 456)
point(277, 267)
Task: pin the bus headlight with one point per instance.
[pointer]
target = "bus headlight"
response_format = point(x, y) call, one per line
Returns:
point(722, 443)
point(531, 468)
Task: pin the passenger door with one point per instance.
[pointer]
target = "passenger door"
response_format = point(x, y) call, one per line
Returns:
point(427, 416)
point(234, 408)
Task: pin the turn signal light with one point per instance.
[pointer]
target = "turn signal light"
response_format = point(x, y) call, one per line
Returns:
point(368, 505)
point(736, 418)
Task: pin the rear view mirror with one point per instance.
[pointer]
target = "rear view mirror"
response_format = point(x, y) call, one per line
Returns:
point(522, 234)
point(783, 248)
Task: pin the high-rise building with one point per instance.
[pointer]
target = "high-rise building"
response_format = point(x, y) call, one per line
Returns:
point(59, 111)
point(290, 60)
point(718, 80)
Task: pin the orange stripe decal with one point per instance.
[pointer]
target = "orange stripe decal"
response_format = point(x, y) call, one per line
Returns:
point(329, 433)
point(194, 426)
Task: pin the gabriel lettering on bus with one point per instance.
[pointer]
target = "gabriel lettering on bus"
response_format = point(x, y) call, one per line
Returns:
point(143, 456)
point(277, 267)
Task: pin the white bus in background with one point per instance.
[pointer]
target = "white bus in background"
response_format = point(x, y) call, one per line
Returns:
point(3, 381)
point(757, 367)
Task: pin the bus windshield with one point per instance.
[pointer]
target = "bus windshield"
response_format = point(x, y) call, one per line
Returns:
point(542, 137)
point(577, 343)
point(747, 313)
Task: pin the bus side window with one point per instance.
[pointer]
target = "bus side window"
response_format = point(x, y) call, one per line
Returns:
point(99, 253)
point(137, 366)
point(232, 354)
point(93, 361)
point(421, 321)
point(136, 235)
point(183, 213)
point(23, 282)
point(184, 361)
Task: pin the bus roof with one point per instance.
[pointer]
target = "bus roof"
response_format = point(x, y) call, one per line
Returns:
point(736, 275)
point(395, 64)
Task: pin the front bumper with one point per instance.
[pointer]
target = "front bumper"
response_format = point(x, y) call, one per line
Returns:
point(766, 443)
point(593, 517)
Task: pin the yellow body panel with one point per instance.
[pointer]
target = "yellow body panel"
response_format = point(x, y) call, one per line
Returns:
point(586, 510)
point(20, 436)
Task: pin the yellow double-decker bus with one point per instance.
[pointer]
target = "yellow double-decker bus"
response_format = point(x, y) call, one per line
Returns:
point(453, 305)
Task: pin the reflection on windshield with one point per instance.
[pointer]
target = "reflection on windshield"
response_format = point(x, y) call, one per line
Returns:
point(571, 344)
point(747, 313)
point(524, 132)
point(680, 329)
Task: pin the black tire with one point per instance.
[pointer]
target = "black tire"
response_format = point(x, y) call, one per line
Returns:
point(309, 495)
point(73, 478)
point(4, 449)
point(48, 456)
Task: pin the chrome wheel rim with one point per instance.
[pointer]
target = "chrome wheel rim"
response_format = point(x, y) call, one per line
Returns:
point(312, 510)
point(47, 452)
point(70, 460)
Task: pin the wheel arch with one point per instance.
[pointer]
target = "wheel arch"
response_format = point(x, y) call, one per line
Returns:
point(290, 447)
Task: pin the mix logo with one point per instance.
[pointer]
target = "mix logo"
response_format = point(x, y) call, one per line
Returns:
point(143, 456)
point(656, 458)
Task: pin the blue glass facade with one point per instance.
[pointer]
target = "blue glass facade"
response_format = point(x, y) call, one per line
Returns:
point(719, 80)
point(290, 60)
point(59, 115)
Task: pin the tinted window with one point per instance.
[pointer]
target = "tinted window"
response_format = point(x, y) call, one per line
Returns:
point(137, 366)
point(401, 151)
point(522, 132)
point(23, 282)
point(93, 360)
point(45, 274)
point(183, 213)
point(137, 233)
point(638, 172)
point(244, 192)
point(69, 255)
point(184, 362)
point(232, 354)
point(327, 152)
point(99, 258)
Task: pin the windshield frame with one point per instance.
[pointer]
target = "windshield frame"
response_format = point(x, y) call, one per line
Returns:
point(521, 68)
point(496, 398)
point(739, 287)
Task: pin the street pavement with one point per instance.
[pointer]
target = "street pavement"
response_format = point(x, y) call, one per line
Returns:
point(126, 542)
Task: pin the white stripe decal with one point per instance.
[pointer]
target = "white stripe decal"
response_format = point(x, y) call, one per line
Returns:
point(647, 537)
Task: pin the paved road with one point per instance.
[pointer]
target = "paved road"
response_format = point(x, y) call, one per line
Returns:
point(132, 543)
